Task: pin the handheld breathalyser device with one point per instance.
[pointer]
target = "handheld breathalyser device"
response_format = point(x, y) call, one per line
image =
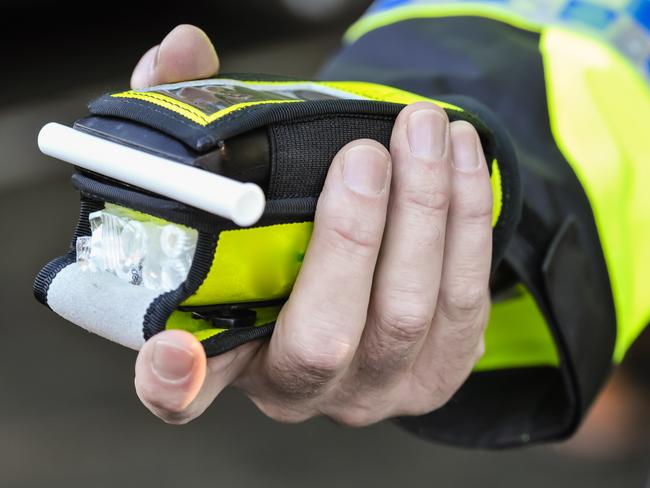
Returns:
point(198, 198)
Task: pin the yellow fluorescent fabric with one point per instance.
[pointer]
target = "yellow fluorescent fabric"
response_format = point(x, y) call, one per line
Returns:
point(384, 93)
point(497, 192)
point(517, 336)
point(253, 264)
point(381, 19)
point(136, 215)
point(184, 321)
point(600, 116)
point(261, 263)
point(370, 91)
point(202, 329)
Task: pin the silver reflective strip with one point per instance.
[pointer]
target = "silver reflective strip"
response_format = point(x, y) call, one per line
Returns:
point(102, 304)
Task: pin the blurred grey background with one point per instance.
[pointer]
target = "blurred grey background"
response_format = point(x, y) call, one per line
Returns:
point(68, 412)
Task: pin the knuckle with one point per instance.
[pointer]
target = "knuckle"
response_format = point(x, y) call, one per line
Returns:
point(462, 302)
point(426, 201)
point(352, 416)
point(405, 326)
point(303, 372)
point(325, 364)
point(475, 208)
point(281, 412)
point(353, 236)
point(285, 416)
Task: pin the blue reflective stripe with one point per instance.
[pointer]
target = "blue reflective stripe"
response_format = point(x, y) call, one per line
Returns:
point(589, 14)
point(625, 24)
point(381, 5)
point(640, 10)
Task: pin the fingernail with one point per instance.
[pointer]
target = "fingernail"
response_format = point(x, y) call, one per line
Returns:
point(170, 362)
point(466, 150)
point(365, 170)
point(427, 134)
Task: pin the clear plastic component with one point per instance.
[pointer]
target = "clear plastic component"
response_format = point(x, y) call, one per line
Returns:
point(155, 255)
point(84, 251)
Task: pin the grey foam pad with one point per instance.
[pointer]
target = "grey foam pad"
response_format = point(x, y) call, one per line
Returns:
point(101, 303)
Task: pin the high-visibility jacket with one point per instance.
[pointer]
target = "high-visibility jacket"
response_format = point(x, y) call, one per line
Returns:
point(569, 80)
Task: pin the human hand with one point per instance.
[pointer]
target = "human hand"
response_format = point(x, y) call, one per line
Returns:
point(388, 312)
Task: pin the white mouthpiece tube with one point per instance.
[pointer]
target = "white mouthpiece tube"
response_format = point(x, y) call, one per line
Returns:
point(243, 203)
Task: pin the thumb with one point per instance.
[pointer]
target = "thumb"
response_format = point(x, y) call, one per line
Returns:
point(169, 372)
point(174, 380)
point(186, 53)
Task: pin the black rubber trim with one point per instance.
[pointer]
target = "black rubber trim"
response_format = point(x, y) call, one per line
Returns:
point(232, 338)
point(279, 211)
point(155, 319)
point(47, 274)
point(205, 138)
